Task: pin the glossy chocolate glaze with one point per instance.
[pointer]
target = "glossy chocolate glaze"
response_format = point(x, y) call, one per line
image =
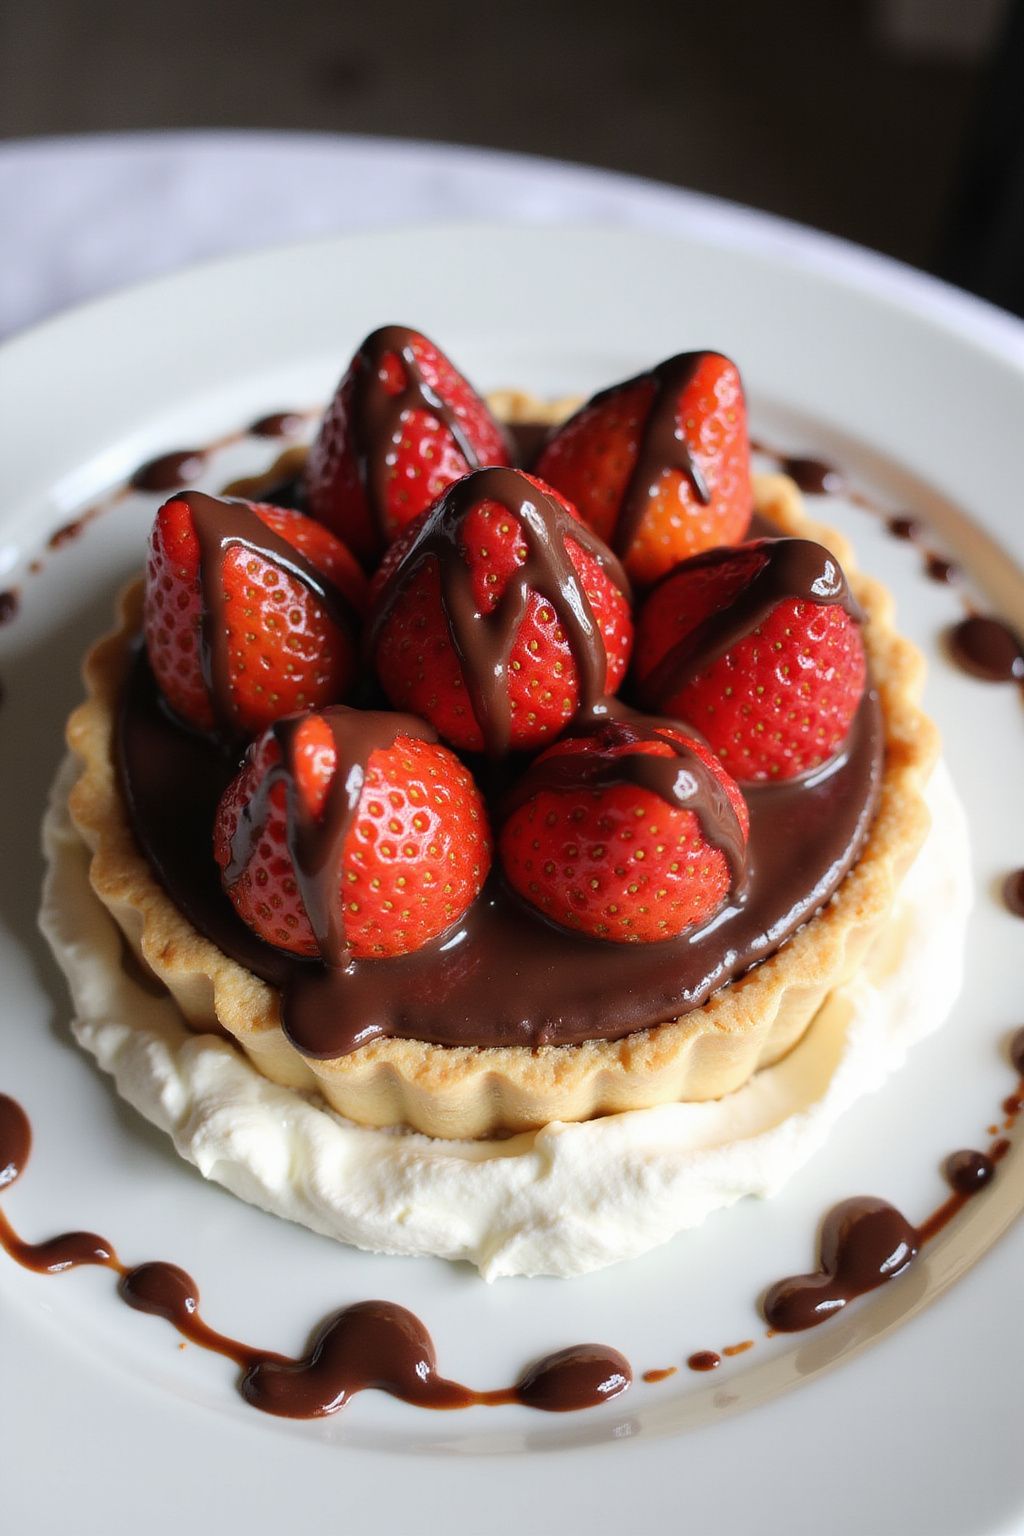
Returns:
point(378, 415)
point(372, 1344)
point(681, 779)
point(968, 1171)
point(791, 568)
point(221, 525)
point(904, 527)
point(662, 445)
point(278, 424)
point(866, 1242)
point(938, 568)
point(984, 647)
point(815, 477)
point(987, 648)
point(483, 642)
point(502, 976)
point(170, 470)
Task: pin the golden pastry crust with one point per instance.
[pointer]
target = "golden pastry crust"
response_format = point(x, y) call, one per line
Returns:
point(467, 1091)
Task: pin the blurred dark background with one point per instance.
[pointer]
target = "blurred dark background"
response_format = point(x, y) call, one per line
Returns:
point(898, 123)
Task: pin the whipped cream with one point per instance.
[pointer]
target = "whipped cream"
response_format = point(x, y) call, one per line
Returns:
point(561, 1201)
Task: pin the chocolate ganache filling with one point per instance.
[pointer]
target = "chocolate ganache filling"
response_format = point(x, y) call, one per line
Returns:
point(502, 975)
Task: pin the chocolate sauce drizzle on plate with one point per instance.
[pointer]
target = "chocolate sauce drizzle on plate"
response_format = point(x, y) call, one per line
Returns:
point(988, 649)
point(866, 1242)
point(1013, 892)
point(10, 602)
point(278, 424)
point(815, 477)
point(170, 470)
point(221, 525)
point(372, 1344)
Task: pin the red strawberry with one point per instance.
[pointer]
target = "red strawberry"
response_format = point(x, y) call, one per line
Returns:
point(760, 650)
point(415, 853)
point(284, 649)
point(403, 424)
point(595, 848)
point(659, 466)
point(500, 603)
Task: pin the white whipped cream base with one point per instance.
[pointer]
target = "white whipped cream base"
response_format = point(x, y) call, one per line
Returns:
point(561, 1201)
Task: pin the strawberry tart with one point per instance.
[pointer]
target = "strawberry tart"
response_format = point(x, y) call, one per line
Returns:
point(484, 777)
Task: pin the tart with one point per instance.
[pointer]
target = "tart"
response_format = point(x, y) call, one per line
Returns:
point(495, 1083)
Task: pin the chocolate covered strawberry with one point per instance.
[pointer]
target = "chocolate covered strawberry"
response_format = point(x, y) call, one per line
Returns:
point(402, 426)
point(500, 615)
point(760, 649)
point(659, 466)
point(351, 834)
point(251, 612)
point(633, 834)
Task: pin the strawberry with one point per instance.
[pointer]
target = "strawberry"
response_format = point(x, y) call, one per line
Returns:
point(499, 615)
point(283, 647)
point(759, 649)
point(595, 847)
point(659, 466)
point(403, 424)
point(414, 852)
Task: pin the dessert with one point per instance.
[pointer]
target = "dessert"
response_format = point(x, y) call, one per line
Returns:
point(512, 1019)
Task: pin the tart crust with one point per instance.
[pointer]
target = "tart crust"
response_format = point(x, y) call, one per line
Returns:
point(466, 1091)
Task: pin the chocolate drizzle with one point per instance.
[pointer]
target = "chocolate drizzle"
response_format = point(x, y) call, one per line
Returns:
point(317, 843)
point(987, 649)
point(704, 1360)
point(483, 641)
point(278, 424)
point(790, 568)
point(170, 470)
point(219, 526)
point(815, 477)
point(903, 527)
point(10, 602)
point(864, 1243)
point(501, 976)
point(372, 1344)
point(662, 446)
point(680, 778)
point(378, 415)
point(969, 1171)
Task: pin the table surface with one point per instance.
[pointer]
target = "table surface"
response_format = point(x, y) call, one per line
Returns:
point(88, 215)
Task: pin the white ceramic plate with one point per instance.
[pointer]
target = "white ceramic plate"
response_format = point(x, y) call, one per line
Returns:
point(103, 1418)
